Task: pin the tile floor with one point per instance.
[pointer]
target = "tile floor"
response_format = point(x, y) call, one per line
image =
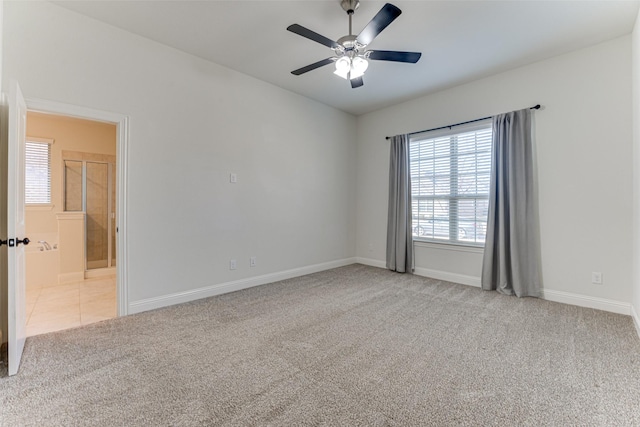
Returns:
point(57, 307)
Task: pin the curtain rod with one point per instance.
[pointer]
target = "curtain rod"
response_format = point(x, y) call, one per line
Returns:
point(535, 107)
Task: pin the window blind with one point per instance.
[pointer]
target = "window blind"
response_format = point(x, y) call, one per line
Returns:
point(450, 175)
point(37, 173)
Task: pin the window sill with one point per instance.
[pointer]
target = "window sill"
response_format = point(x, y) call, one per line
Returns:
point(457, 247)
point(39, 207)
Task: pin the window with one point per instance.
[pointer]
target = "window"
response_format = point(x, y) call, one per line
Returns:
point(450, 174)
point(37, 172)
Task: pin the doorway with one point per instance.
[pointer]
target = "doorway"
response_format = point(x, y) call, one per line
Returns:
point(97, 289)
point(70, 198)
point(18, 108)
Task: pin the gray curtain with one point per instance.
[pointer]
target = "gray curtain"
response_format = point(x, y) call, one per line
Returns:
point(511, 263)
point(399, 237)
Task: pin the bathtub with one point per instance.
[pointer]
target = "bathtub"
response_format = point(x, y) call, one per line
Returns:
point(42, 267)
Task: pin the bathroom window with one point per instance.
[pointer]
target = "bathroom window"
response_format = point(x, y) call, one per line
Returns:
point(37, 189)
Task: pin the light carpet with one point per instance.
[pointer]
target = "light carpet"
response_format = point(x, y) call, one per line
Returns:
point(351, 346)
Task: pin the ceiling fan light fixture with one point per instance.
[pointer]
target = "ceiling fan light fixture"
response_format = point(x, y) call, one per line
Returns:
point(358, 66)
point(351, 55)
point(343, 66)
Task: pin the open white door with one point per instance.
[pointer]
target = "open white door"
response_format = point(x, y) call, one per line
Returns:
point(17, 324)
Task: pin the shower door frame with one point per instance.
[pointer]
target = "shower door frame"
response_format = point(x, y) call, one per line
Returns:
point(109, 213)
point(110, 210)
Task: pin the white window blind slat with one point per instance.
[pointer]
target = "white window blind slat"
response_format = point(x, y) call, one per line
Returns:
point(37, 173)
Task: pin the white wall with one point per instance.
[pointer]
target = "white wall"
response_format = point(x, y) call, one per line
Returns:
point(192, 123)
point(635, 53)
point(583, 138)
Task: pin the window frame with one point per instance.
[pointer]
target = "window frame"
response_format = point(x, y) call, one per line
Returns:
point(49, 142)
point(485, 124)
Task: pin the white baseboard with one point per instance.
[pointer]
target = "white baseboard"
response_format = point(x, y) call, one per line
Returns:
point(549, 295)
point(76, 276)
point(371, 262)
point(100, 272)
point(236, 285)
point(449, 277)
point(636, 319)
point(434, 274)
point(587, 301)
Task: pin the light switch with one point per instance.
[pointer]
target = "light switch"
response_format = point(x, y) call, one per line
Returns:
point(233, 178)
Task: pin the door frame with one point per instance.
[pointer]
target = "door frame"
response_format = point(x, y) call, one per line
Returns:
point(122, 142)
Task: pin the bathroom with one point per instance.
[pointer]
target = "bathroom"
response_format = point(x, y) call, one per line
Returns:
point(70, 211)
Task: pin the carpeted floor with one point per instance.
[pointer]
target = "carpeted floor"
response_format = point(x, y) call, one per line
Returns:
point(352, 346)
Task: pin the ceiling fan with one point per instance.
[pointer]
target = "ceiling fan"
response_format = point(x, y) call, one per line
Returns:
point(351, 53)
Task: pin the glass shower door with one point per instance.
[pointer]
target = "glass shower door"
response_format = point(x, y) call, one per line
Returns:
point(89, 187)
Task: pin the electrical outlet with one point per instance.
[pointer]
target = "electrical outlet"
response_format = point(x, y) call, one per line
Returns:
point(596, 278)
point(233, 178)
point(252, 261)
point(233, 264)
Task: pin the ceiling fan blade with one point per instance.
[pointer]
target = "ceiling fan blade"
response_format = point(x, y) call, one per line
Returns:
point(392, 55)
point(385, 16)
point(357, 82)
point(313, 66)
point(312, 35)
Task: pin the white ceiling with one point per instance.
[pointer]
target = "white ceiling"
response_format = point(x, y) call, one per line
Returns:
point(460, 41)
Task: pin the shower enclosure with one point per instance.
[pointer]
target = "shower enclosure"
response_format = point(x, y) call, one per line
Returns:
point(90, 188)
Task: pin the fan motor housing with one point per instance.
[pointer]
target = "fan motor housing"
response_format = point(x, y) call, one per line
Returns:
point(348, 42)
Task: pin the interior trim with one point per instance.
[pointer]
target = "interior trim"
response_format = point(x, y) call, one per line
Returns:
point(236, 285)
